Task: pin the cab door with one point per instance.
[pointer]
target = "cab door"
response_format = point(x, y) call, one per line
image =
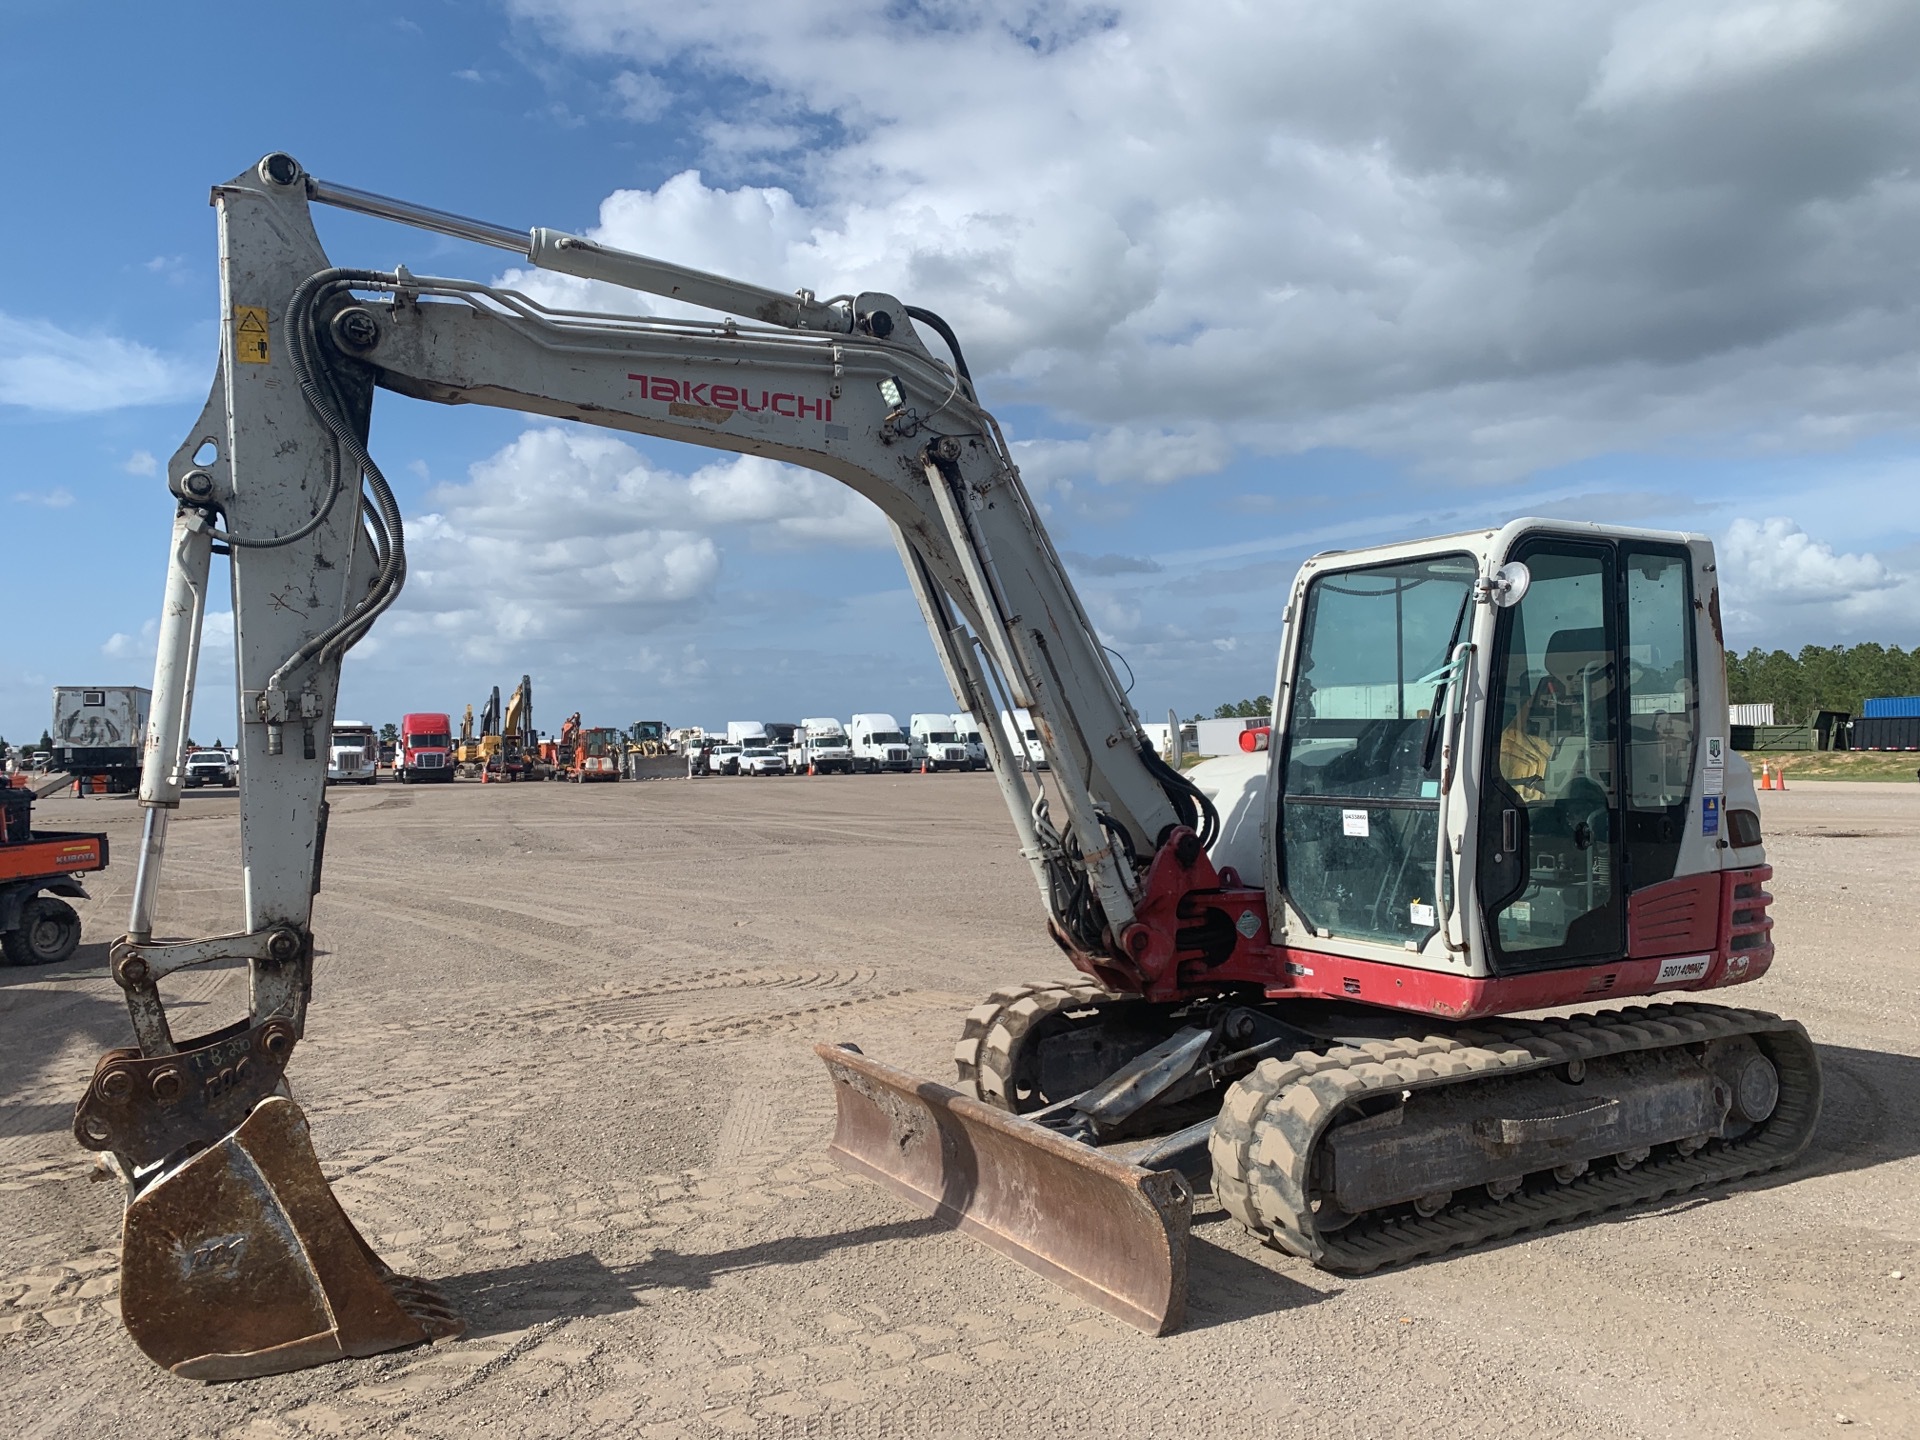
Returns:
point(1551, 880)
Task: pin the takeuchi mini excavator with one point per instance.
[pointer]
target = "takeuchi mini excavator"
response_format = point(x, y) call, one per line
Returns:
point(1497, 782)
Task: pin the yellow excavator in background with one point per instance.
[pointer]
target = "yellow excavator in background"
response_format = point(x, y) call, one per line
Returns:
point(466, 751)
point(519, 746)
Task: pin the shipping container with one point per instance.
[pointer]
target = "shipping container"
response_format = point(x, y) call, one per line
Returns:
point(1773, 737)
point(1750, 714)
point(1903, 707)
point(1887, 732)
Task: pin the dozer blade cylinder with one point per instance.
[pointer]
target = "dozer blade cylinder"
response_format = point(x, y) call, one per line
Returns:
point(241, 1263)
point(1109, 1232)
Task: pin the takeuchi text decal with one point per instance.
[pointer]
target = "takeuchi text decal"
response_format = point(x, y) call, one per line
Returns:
point(732, 397)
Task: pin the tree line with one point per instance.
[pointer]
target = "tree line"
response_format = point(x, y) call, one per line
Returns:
point(1821, 677)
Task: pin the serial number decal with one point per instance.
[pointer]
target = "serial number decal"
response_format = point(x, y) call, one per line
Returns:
point(724, 398)
point(1683, 967)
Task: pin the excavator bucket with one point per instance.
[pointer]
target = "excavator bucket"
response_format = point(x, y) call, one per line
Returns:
point(1109, 1232)
point(241, 1263)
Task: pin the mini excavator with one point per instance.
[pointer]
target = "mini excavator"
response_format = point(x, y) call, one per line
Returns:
point(1495, 780)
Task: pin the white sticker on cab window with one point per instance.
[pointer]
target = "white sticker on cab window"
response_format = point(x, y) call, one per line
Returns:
point(1354, 822)
point(1716, 753)
point(1683, 967)
point(1422, 914)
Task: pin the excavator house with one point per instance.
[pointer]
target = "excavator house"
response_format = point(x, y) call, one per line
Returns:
point(1496, 783)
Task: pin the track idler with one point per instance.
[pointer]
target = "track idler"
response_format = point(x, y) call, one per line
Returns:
point(1112, 1233)
point(236, 1260)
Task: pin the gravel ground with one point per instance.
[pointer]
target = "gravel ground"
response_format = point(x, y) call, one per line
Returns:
point(559, 1060)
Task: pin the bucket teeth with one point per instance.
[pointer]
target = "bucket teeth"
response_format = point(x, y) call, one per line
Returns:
point(241, 1263)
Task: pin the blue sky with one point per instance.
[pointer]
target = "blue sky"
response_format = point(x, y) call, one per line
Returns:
point(1241, 286)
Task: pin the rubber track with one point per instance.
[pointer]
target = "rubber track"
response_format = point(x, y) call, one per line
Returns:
point(1264, 1139)
point(997, 1028)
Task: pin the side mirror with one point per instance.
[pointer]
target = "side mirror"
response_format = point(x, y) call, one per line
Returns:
point(1506, 587)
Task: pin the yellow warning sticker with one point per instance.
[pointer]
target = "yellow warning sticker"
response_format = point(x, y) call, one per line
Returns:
point(250, 344)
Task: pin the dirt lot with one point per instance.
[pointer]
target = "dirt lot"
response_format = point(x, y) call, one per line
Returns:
point(559, 1059)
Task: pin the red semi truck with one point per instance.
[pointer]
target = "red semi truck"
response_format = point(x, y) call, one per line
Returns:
point(425, 751)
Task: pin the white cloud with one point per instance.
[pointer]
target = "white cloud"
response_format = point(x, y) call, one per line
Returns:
point(564, 530)
point(44, 367)
point(642, 97)
point(1482, 238)
point(1675, 49)
point(141, 462)
point(1775, 559)
point(216, 643)
point(1783, 587)
point(58, 498)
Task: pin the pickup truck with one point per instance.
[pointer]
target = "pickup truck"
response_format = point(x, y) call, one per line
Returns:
point(207, 767)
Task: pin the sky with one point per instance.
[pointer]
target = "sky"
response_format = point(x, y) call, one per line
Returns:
point(1242, 282)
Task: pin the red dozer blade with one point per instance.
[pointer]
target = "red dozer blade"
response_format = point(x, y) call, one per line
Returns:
point(1109, 1232)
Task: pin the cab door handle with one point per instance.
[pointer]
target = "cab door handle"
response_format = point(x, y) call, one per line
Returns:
point(1509, 832)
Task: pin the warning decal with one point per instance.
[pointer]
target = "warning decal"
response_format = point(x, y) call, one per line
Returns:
point(250, 344)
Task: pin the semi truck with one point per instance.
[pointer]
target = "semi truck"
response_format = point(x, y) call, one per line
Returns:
point(1024, 737)
point(97, 734)
point(353, 754)
point(879, 743)
point(425, 751)
point(933, 744)
point(968, 730)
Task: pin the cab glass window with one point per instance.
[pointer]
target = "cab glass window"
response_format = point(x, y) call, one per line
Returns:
point(1360, 807)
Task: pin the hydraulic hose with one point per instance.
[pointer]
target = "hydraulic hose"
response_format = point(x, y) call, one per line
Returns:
point(945, 332)
point(379, 509)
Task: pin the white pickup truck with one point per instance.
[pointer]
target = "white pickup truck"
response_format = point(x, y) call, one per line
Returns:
point(934, 744)
point(879, 743)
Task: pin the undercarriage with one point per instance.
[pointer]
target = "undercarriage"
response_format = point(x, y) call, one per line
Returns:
point(1347, 1136)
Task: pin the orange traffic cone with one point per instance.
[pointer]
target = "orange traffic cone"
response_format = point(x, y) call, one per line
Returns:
point(1780, 780)
point(1766, 777)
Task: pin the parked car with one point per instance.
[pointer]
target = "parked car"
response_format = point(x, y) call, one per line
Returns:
point(762, 760)
point(723, 759)
point(207, 767)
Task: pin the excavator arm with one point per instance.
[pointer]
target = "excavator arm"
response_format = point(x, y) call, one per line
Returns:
point(237, 1259)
